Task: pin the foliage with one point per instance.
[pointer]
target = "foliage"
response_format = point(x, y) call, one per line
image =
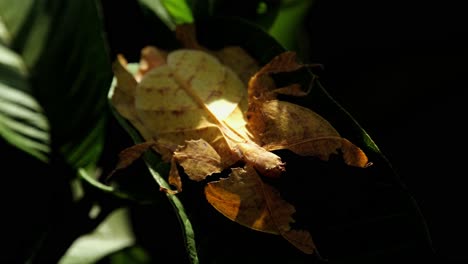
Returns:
point(55, 121)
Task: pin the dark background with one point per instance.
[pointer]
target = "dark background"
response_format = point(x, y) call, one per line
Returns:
point(400, 68)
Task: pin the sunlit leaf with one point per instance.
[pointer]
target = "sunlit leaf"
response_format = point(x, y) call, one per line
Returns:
point(22, 119)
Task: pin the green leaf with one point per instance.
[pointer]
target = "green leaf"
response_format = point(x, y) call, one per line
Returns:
point(171, 12)
point(282, 19)
point(179, 11)
point(286, 28)
point(65, 53)
point(159, 9)
point(112, 235)
point(131, 255)
point(13, 17)
point(137, 189)
point(22, 120)
point(262, 13)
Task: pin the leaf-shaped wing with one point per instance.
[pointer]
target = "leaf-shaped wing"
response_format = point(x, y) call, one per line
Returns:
point(199, 159)
point(244, 198)
point(278, 124)
point(284, 123)
point(182, 96)
point(123, 96)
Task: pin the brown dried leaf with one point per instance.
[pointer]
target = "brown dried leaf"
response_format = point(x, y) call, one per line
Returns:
point(244, 198)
